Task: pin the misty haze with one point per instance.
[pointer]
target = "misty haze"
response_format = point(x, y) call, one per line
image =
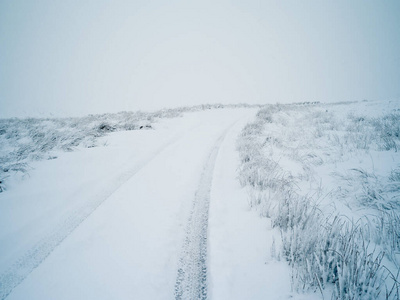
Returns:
point(200, 150)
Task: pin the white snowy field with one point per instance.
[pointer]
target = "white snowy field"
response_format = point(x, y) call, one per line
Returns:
point(109, 222)
point(203, 206)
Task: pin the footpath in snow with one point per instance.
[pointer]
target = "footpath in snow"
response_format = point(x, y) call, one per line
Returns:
point(128, 219)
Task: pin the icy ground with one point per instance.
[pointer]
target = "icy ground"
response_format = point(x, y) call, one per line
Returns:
point(127, 219)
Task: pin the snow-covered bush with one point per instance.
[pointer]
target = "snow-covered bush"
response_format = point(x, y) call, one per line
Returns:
point(283, 152)
point(29, 139)
point(24, 140)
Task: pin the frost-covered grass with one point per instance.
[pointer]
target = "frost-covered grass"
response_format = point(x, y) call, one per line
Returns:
point(328, 177)
point(25, 140)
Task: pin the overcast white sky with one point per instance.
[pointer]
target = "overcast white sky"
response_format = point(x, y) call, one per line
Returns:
point(76, 57)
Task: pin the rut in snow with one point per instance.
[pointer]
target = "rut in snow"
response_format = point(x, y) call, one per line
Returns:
point(37, 253)
point(191, 280)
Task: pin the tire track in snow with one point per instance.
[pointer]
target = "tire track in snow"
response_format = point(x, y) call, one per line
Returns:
point(191, 280)
point(32, 258)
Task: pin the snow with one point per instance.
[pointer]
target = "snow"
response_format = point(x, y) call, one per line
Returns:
point(136, 193)
point(121, 220)
point(343, 158)
point(240, 241)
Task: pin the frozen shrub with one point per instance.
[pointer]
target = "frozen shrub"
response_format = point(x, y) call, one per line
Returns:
point(104, 127)
point(325, 251)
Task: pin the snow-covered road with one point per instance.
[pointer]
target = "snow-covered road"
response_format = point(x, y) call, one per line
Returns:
point(154, 214)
